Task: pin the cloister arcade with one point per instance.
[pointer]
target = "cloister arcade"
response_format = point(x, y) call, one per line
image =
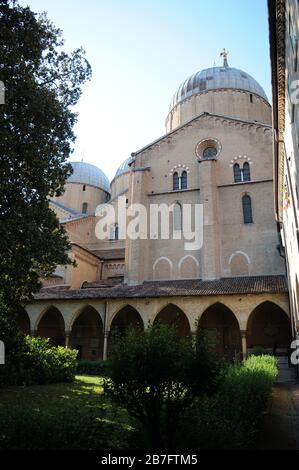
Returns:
point(237, 323)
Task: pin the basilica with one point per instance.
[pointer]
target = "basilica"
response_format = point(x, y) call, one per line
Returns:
point(216, 153)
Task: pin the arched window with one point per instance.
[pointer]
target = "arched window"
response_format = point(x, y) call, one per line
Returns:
point(184, 180)
point(84, 208)
point(84, 187)
point(247, 209)
point(246, 172)
point(116, 232)
point(237, 173)
point(177, 217)
point(176, 182)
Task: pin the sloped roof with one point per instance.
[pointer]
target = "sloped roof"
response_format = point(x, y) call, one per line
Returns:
point(190, 287)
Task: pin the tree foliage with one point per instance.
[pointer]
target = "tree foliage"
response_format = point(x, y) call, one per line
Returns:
point(42, 83)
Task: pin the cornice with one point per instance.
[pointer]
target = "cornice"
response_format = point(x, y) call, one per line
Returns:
point(168, 138)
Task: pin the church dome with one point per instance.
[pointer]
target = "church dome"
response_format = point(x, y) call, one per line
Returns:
point(217, 78)
point(86, 173)
point(123, 168)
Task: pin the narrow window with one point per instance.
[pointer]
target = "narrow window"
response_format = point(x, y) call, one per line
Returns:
point(176, 182)
point(84, 208)
point(237, 173)
point(293, 113)
point(116, 232)
point(251, 98)
point(246, 172)
point(84, 187)
point(184, 180)
point(113, 232)
point(247, 209)
point(177, 217)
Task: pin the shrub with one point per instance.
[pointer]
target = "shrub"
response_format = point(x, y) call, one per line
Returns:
point(36, 362)
point(258, 351)
point(232, 417)
point(44, 364)
point(85, 367)
point(155, 375)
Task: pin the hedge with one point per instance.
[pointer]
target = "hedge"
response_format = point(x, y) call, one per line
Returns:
point(37, 362)
point(85, 367)
point(232, 418)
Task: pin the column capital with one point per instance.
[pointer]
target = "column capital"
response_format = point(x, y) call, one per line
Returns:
point(243, 333)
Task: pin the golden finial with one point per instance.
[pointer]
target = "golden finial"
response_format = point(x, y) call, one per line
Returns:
point(224, 54)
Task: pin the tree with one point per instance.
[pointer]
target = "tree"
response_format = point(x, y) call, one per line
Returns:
point(155, 375)
point(42, 83)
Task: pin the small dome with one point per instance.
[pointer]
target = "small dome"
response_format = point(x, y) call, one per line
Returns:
point(217, 78)
point(85, 173)
point(123, 168)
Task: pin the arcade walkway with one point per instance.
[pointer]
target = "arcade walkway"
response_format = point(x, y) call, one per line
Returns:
point(281, 425)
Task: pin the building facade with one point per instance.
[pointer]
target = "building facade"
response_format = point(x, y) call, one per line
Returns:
point(284, 34)
point(215, 158)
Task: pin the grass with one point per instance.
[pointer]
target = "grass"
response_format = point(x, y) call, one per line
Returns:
point(62, 416)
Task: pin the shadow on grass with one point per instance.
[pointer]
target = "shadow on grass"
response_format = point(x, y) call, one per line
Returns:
point(62, 416)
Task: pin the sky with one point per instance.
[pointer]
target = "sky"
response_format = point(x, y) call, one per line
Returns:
point(140, 51)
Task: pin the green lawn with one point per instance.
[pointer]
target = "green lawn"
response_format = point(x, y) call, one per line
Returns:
point(62, 416)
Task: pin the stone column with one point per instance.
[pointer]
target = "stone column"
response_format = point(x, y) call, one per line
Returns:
point(193, 338)
point(244, 344)
point(67, 338)
point(33, 333)
point(105, 345)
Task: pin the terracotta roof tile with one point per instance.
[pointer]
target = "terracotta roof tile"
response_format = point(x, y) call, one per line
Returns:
point(192, 287)
point(117, 253)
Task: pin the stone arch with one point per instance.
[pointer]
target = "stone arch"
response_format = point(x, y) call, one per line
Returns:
point(162, 268)
point(269, 326)
point(171, 314)
point(87, 334)
point(224, 326)
point(51, 325)
point(23, 321)
point(188, 267)
point(239, 264)
point(127, 316)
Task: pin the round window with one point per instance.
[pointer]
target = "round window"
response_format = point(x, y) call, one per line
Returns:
point(209, 152)
point(208, 149)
